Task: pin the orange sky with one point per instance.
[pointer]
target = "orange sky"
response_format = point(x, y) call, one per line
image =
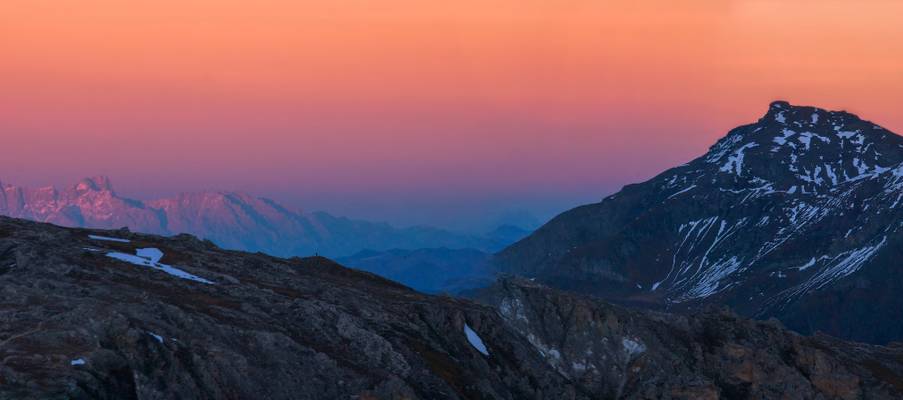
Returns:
point(374, 108)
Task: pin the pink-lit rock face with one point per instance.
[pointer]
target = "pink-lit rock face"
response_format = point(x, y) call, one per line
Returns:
point(91, 202)
point(231, 220)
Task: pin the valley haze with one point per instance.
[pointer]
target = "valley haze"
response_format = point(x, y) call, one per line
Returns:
point(233, 220)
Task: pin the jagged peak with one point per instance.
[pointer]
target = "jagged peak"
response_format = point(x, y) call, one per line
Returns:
point(98, 183)
point(218, 195)
point(785, 113)
point(784, 119)
point(805, 148)
point(779, 105)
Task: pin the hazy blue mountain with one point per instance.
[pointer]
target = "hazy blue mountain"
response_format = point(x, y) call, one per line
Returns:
point(436, 270)
point(507, 234)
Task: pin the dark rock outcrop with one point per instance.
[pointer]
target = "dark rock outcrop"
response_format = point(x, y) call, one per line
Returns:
point(618, 353)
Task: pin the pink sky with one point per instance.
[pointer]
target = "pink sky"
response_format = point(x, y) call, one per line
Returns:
point(417, 111)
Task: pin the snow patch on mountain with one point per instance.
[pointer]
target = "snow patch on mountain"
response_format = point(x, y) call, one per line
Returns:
point(838, 266)
point(779, 117)
point(632, 347)
point(150, 257)
point(108, 239)
point(475, 340)
point(735, 161)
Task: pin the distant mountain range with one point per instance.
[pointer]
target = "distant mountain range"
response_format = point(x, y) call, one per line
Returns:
point(797, 216)
point(436, 270)
point(231, 220)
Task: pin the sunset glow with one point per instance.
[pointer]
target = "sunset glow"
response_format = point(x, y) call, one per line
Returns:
point(372, 107)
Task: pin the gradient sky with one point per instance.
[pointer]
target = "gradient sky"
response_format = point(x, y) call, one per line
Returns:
point(418, 111)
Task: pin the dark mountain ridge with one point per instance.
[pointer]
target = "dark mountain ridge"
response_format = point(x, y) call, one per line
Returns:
point(88, 314)
point(795, 216)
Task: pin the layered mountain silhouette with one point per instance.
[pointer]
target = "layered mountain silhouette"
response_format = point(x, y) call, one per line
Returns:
point(797, 216)
point(438, 270)
point(230, 219)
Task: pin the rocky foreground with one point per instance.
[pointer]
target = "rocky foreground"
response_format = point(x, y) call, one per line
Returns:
point(615, 352)
point(117, 315)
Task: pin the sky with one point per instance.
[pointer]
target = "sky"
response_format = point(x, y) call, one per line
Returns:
point(418, 111)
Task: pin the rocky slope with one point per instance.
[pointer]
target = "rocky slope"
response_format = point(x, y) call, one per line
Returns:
point(618, 353)
point(232, 220)
point(129, 316)
point(116, 315)
point(796, 216)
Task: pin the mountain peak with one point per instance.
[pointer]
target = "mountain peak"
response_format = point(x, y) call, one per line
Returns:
point(779, 105)
point(803, 148)
point(782, 112)
point(773, 220)
point(98, 183)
